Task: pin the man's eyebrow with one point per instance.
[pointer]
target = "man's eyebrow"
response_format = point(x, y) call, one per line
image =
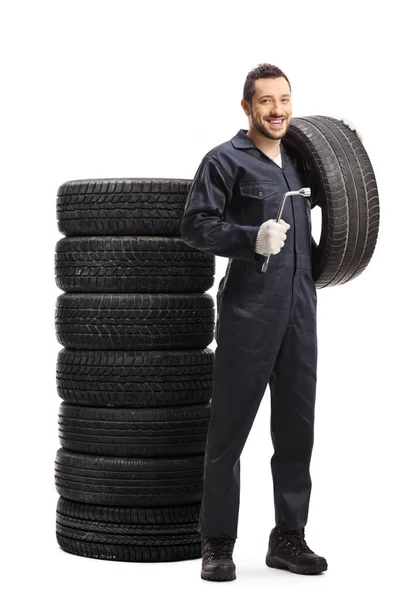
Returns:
point(271, 96)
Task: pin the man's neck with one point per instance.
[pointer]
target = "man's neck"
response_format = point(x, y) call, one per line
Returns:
point(271, 148)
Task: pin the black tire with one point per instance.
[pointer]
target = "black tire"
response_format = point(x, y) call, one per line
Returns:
point(127, 206)
point(131, 264)
point(128, 534)
point(129, 548)
point(108, 378)
point(113, 481)
point(139, 432)
point(338, 170)
point(135, 321)
point(118, 519)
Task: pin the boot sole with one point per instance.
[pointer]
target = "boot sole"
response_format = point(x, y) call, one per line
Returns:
point(279, 563)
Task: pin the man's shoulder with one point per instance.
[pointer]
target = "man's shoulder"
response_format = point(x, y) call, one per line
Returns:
point(225, 158)
point(222, 150)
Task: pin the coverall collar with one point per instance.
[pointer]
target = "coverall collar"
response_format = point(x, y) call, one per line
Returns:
point(242, 141)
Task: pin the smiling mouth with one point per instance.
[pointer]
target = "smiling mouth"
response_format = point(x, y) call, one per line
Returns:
point(275, 123)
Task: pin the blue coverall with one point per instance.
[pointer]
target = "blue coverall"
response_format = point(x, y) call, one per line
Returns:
point(265, 330)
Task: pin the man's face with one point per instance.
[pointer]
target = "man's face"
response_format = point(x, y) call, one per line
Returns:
point(271, 100)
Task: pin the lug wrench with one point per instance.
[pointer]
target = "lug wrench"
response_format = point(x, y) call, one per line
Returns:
point(303, 192)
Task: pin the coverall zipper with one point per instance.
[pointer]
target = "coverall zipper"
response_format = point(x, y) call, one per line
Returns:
point(294, 224)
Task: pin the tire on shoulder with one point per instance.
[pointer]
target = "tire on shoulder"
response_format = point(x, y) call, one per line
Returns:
point(338, 170)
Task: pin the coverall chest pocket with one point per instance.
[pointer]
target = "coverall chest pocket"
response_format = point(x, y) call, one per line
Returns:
point(258, 201)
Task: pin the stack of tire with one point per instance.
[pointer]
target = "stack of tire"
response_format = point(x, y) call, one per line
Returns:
point(135, 373)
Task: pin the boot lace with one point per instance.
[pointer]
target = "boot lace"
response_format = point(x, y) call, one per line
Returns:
point(294, 541)
point(220, 547)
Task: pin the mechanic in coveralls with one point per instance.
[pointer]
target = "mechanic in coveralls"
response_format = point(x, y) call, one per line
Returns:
point(266, 325)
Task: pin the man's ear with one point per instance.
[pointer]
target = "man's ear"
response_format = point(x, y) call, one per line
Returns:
point(350, 125)
point(245, 106)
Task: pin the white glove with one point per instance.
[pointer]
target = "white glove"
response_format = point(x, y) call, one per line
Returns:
point(350, 125)
point(271, 237)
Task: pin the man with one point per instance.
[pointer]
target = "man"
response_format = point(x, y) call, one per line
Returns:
point(266, 325)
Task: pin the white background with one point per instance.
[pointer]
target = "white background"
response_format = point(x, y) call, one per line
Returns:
point(120, 89)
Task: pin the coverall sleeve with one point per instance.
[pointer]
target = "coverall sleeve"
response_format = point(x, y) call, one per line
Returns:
point(203, 226)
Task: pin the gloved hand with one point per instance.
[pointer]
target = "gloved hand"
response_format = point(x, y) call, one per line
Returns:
point(271, 237)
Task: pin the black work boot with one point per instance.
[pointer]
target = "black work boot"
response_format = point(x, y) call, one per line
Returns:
point(289, 550)
point(217, 563)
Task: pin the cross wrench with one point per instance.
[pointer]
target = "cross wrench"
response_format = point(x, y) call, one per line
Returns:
point(303, 192)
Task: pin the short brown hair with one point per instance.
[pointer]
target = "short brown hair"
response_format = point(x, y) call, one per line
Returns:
point(263, 70)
